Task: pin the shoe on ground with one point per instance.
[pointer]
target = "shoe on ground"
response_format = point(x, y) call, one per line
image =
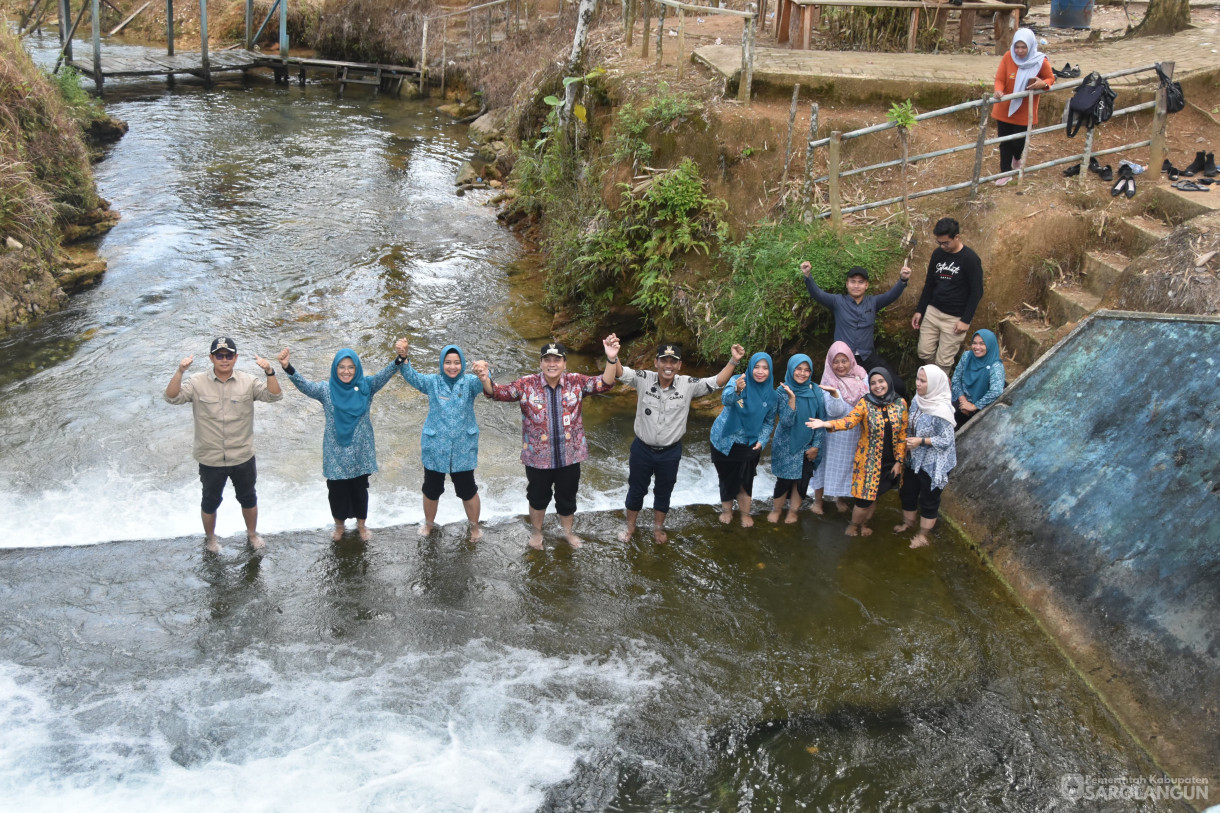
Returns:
point(1106, 173)
point(1196, 166)
point(1209, 165)
point(1072, 171)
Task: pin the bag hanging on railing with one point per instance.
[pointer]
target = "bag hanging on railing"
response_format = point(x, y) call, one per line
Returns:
point(1090, 105)
point(1175, 99)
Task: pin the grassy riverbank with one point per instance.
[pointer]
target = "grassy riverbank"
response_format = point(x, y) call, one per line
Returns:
point(47, 194)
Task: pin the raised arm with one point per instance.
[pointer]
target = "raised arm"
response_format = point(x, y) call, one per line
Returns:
point(613, 368)
point(736, 354)
point(173, 390)
point(821, 297)
point(269, 391)
point(892, 294)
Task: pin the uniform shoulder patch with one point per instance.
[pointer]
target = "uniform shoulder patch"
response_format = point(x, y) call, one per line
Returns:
point(641, 374)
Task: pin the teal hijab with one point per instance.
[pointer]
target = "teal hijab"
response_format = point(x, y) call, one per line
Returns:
point(452, 348)
point(351, 401)
point(759, 400)
point(809, 404)
point(976, 372)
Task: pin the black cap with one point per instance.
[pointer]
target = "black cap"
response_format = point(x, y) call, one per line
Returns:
point(670, 351)
point(223, 343)
point(554, 349)
point(857, 271)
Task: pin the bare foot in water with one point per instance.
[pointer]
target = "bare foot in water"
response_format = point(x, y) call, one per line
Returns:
point(255, 541)
point(574, 541)
point(536, 541)
point(659, 536)
point(626, 534)
point(211, 543)
point(747, 521)
point(337, 533)
point(840, 505)
point(919, 541)
point(425, 528)
point(726, 517)
point(852, 529)
point(791, 518)
point(817, 508)
point(476, 533)
point(773, 517)
point(865, 530)
point(903, 528)
point(364, 534)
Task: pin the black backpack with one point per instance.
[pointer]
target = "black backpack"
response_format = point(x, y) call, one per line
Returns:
point(1175, 99)
point(1092, 104)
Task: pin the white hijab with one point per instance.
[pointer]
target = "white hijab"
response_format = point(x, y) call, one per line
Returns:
point(1028, 68)
point(937, 402)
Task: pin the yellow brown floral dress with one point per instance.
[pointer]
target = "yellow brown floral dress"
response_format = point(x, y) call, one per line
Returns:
point(866, 469)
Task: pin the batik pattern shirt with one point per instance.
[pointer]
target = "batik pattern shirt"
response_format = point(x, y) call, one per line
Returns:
point(449, 440)
point(552, 425)
point(995, 387)
point(722, 439)
point(785, 463)
point(938, 458)
point(866, 468)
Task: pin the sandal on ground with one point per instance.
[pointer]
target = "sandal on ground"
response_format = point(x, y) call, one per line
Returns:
point(1190, 186)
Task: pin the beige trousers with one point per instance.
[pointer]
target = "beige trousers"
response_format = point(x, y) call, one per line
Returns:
point(938, 342)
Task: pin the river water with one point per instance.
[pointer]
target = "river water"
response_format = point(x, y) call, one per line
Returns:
point(781, 669)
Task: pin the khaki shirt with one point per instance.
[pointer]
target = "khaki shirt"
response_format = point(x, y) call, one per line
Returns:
point(660, 414)
point(224, 415)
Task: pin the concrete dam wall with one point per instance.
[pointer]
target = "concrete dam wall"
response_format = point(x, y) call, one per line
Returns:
point(1093, 486)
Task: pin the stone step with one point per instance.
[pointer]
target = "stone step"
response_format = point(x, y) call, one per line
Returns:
point(1178, 207)
point(1025, 340)
point(1064, 305)
point(1135, 234)
point(1101, 269)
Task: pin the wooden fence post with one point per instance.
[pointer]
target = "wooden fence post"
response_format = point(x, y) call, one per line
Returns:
point(1084, 159)
point(807, 189)
point(832, 170)
point(444, 55)
point(423, 59)
point(1160, 119)
point(681, 40)
point(284, 31)
point(745, 85)
point(660, 33)
point(984, 116)
point(98, 79)
point(646, 17)
point(249, 24)
point(783, 181)
point(203, 43)
point(169, 30)
point(630, 22)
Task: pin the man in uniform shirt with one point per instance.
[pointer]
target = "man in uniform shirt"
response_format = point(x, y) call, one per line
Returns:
point(662, 407)
point(223, 403)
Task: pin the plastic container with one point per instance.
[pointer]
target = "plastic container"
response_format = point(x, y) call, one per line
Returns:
point(1072, 13)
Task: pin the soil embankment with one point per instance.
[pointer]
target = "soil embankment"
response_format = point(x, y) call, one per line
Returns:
point(49, 199)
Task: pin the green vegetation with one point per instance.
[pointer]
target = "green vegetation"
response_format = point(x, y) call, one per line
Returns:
point(665, 110)
point(902, 114)
point(764, 303)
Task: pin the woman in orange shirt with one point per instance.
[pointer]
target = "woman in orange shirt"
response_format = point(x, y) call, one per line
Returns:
point(1024, 67)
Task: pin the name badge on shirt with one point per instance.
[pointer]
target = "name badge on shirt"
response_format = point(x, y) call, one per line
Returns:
point(567, 420)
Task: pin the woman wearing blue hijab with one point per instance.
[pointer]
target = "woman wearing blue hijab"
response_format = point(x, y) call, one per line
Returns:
point(449, 443)
point(349, 454)
point(978, 378)
point(796, 450)
point(739, 433)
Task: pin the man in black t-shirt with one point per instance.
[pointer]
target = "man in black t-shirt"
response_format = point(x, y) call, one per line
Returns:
point(950, 295)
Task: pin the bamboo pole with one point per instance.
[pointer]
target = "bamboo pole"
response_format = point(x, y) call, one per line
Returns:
point(423, 60)
point(125, 22)
point(1160, 120)
point(444, 56)
point(783, 181)
point(284, 29)
point(681, 41)
point(807, 190)
point(249, 24)
point(832, 162)
point(98, 79)
point(203, 42)
point(978, 148)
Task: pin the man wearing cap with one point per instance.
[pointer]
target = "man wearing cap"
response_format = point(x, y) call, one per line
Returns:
point(222, 400)
point(856, 314)
point(662, 407)
point(552, 430)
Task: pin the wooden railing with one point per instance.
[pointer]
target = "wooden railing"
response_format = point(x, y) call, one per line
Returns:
point(515, 18)
point(833, 144)
point(748, 31)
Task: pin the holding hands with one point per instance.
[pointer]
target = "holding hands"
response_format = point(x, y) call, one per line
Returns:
point(402, 346)
point(479, 368)
point(611, 345)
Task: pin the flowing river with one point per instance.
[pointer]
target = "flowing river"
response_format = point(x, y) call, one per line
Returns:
point(778, 669)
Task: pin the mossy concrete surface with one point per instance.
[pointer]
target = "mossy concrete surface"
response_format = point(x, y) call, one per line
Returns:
point(1092, 486)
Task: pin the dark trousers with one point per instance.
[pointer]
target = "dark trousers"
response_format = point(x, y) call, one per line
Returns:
point(888, 483)
point(961, 418)
point(213, 479)
point(463, 484)
point(563, 482)
point(917, 492)
point(783, 488)
point(349, 498)
point(875, 360)
point(647, 462)
point(1010, 149)
point(736, 470)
